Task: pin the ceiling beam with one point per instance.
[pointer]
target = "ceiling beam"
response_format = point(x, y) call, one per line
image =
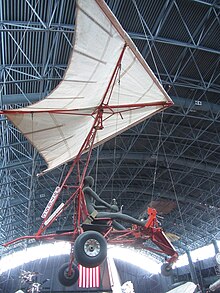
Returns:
point(186, 162)
point(140, 36)
point(178, 101)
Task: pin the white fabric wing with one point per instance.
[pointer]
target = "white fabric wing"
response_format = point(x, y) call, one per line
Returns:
point(98, 43)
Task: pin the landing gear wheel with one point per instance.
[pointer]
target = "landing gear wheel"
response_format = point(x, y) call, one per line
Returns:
point(166, 270)
point(66, 279)
point(90, 249)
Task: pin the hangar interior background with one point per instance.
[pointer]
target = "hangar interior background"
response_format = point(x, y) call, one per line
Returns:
point(170, 161)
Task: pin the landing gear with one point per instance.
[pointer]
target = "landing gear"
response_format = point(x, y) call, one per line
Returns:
point(90, 249)
point(66, 277)
point(166, 269)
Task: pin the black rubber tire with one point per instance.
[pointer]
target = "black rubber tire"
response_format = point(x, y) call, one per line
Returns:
point(166, 270)
point(90, 249)
point(63, 277)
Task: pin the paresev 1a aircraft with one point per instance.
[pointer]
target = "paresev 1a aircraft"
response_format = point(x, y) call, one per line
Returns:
point(86, 109)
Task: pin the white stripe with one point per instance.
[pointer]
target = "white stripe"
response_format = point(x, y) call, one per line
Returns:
point(84, 279)
point(98, 276)
point(91, 277)
point(87, 277)
point(80, 276)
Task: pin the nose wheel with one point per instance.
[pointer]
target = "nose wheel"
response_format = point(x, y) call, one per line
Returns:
point(66, 276)
point(166, 270)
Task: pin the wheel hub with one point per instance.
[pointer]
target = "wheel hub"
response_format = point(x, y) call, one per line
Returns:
point(92, 247)
point(68, 274)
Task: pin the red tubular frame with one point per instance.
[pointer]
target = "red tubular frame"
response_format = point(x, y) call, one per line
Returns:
point(132, 236)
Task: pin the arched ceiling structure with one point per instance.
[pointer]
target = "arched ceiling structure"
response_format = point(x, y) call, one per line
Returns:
point(171, 161)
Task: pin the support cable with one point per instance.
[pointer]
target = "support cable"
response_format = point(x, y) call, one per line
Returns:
point(159, 144)
point(115, 139)
point(96, 168)
point(175, 194)
point(145, 33)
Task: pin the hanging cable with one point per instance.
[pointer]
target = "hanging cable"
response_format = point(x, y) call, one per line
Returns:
point(143, 26)
point(157, 152)
point(116, 128)
point(160, 143)
point(175, 195)
point(96, 168)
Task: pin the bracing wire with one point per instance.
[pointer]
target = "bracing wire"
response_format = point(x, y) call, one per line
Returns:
point(145, 33)
point(175, 194)
point(96, 168)
point(159, 141)
point(114, 160)
point(62, 174)
point(157, 153)
point(115, 139)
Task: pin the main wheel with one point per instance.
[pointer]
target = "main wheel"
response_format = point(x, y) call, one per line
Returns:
point(65, 278)
point(90, 249)
point(166, 270)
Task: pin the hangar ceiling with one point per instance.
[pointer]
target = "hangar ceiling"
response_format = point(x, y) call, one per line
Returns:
point(170, 161)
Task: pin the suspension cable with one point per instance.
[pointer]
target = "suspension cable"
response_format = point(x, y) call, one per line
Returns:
point(175, 194)
point(157, 153)
point(145, 33)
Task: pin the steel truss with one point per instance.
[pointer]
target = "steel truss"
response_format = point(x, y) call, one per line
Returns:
point(179, 149)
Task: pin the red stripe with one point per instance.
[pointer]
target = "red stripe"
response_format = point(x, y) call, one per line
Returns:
point(89, 277)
